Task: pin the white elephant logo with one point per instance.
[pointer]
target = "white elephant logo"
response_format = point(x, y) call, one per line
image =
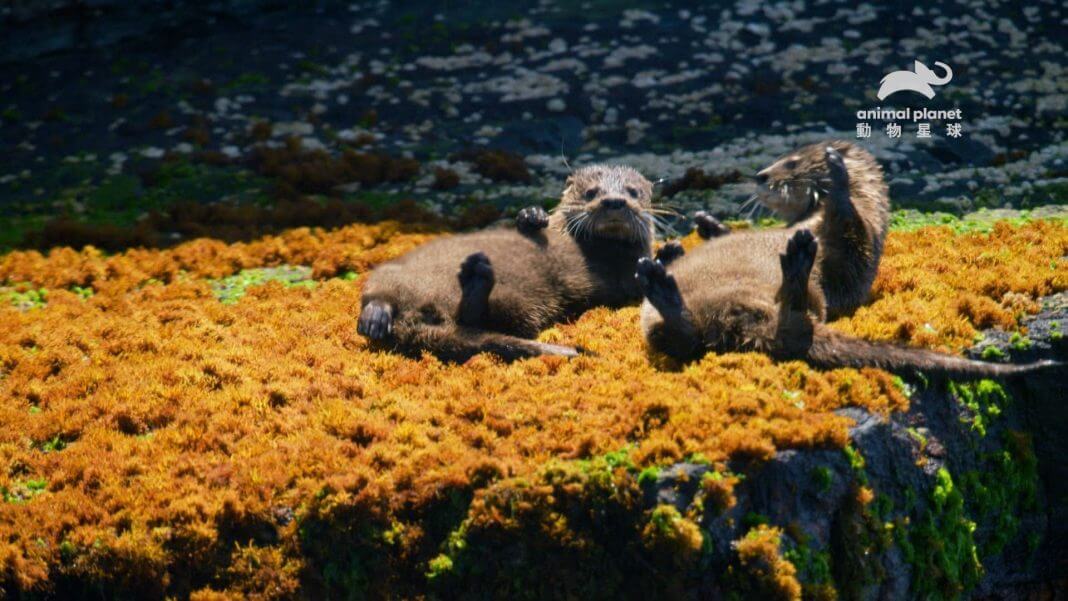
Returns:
point(919, 81)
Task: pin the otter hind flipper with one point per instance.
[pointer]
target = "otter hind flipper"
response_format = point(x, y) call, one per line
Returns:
point(659, 288)
point(832, 350)
point(376, 320)
point(796, 264)
point(476, 282)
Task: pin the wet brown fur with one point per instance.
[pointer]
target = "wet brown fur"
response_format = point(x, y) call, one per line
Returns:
point(766, 291)
point(584, 258)
point(798, 187)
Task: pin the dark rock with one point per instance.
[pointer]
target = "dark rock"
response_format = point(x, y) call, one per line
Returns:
point(561, 136)
point(903, 459)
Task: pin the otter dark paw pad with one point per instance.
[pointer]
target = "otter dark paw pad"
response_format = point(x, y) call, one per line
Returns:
point(708, 226)
point(376, 320)
point(532, 219)
point(669, 252)
point(837, 168)
point(800, 256)
point(476, 270)
point(476, 282)
point(658, 285)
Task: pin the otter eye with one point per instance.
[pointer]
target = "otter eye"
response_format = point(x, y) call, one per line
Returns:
point(591, 193)
point(791, 164)
point(632, 192)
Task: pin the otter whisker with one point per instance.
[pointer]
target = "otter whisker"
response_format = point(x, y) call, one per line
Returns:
point(645, 229)
point(668, 210)
point(664, 214)
point(668, 204)
point(749, 203)
point(633, 222)
point(664, 227)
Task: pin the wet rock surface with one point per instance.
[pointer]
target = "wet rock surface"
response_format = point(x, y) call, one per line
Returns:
point(665, 87)
point(950, 439)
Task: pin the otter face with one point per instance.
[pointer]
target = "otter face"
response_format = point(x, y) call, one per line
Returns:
point(608, 201)
point(794, 185)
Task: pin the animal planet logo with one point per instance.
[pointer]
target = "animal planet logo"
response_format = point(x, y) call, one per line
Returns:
point(920, 80)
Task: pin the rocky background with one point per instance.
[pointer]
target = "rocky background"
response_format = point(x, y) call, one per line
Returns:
point(134, 116)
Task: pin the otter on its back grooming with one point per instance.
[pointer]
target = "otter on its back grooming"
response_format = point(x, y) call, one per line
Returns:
point(848, 211)
point(737, 293)
point(512, 284)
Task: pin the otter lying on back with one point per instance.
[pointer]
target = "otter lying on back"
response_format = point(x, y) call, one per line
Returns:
point(737, 293)
point(849, 215)
point(513, 284)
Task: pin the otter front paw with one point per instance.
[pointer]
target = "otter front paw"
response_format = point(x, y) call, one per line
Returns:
point(839, 175)
point(709, 227)
point(669, 252)
point(532, 219)
point(376, 320)
point(659, 286)
point(799, 257)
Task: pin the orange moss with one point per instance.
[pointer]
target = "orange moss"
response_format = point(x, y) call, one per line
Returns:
point(668, 534)
point(937, 289)
point(160, 441)
point(761, 570)
point(718, 491)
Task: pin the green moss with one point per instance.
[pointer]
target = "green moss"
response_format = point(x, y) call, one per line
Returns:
point(992, 353)
point(439, 567)
point(25, 299)
point(52, 445)
point(1005, 486)
point(985, 399)
point(24, 490)
point(230, 289)
point(83, 293)
point(857, 463)
point(752, 520)
point(941, 545)
point(697, 459)
point(1019, 342)
point(648, 476)
point(980, 221)
point(823, 477)
point(813, 569)
point(918, 437)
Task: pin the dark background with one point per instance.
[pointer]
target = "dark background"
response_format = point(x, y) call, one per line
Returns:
point(148, 123)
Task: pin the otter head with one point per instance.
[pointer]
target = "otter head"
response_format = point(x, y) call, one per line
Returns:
point(795, 185)
point(608, 202)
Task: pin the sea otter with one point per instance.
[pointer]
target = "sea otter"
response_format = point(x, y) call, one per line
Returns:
point(847, 210)
point(762, 291)
point(494, 290)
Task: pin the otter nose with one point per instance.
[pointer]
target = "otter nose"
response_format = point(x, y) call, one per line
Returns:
point(761, 178)
point(613, 203)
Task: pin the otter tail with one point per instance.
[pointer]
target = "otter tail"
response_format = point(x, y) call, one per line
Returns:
point(830, 349)
point(456, 343)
